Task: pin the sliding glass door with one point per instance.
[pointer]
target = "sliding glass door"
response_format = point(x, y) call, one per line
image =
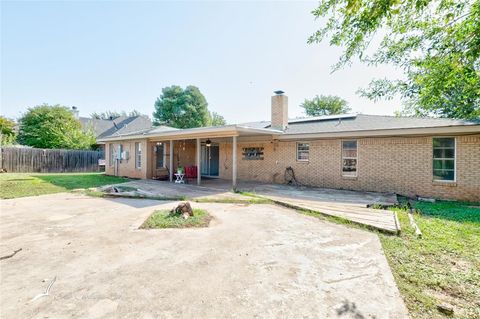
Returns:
point(210, 160)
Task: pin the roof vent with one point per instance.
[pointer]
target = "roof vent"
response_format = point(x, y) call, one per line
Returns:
point(279, 92)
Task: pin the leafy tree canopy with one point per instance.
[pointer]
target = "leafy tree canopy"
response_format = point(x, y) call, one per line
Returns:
point(181, 108)
point(113, 114)
point(53, 126)
point(216, 119)
point(325, 105)
point(7, 131)
point(435, 43)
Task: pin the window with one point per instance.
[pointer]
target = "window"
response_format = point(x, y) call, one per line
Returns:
point(444, 159)
point(138, 155)
point(159, 154)
point(303, 152)
point(349, 158)
point(111, 154)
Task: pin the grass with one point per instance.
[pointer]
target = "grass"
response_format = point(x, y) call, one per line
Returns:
point(163, 219)
point(441, 267)
point(154, 197)
point(15, 185)
point(252, 200)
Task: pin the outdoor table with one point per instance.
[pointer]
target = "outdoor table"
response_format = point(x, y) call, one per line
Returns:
point(179, 178)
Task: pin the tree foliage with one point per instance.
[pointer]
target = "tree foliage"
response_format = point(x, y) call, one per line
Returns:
point(216, 119)
point(325, 105)
point(53, 126)
point(181, 108)
point(8, 135)
point(435, 43)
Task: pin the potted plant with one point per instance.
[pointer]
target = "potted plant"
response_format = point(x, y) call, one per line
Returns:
point(180, 170)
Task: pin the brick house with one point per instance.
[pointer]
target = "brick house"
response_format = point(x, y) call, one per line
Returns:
point(104, 128)
point(426, 157)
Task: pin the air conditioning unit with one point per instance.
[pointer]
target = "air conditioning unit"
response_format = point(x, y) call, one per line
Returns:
point(125, 155)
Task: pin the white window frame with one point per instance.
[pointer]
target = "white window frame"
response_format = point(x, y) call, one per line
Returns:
point(303, 160)
point(454, 180)
point(138, 155)
point(345, 174)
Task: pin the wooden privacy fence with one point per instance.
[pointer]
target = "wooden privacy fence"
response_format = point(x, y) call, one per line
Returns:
point(28, 160)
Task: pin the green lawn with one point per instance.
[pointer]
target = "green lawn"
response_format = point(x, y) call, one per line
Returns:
point(444, 265)
point(13, 185)
point(163, 219)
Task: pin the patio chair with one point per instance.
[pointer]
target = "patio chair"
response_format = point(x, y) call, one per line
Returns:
point(190, 173)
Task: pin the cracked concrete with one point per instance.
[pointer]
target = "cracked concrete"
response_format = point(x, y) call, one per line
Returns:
point(258, 261)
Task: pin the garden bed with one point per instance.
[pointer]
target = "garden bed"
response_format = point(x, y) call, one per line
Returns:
point(165, 219)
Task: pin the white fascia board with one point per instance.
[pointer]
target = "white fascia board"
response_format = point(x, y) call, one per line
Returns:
point(236, 130)
point(466, 129)
point(232, 130)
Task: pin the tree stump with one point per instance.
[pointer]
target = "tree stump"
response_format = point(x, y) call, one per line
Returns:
point(184, 209)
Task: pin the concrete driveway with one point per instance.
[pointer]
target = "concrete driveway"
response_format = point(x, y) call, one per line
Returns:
point(258, 261)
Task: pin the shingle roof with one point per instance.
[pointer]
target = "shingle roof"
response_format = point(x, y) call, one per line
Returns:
point(343, 123)
point(360, 122)
point(118, 126)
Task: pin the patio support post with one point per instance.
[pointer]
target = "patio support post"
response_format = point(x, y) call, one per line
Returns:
point(199, 176)
point(171, 161)
point(234, 160)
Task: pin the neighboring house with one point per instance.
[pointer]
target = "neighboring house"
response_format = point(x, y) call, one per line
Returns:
point(115, 126)
point(426, 157)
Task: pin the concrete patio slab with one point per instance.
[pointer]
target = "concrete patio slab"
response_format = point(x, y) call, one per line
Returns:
point(350, 205)
point(192, 191)
point(255, 261)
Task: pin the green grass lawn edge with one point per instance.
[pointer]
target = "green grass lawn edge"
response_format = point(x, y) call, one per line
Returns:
point(15, 185)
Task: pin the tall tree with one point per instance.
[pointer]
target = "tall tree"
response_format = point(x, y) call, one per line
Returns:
point(325, 105)
point(53, 126)
point(216, 119)
point(181, 108)
point(7, 133)
point(435, 43)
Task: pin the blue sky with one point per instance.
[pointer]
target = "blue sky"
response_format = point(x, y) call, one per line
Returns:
point(107, 55)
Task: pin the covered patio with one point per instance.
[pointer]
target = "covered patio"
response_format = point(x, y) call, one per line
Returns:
point(203, 149)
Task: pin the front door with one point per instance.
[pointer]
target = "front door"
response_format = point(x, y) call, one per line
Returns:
point(210, 160)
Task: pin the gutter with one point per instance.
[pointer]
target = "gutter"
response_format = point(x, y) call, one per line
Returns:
point(464, 129)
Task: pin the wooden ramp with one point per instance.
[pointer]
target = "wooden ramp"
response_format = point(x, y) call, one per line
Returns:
point(383, 220)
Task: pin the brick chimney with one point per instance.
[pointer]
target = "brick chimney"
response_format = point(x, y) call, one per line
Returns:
point(279, 111)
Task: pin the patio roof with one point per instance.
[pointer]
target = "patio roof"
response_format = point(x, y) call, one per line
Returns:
point(198, 132)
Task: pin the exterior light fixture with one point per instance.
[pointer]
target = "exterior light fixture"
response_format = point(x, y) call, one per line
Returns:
point(208, 143)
